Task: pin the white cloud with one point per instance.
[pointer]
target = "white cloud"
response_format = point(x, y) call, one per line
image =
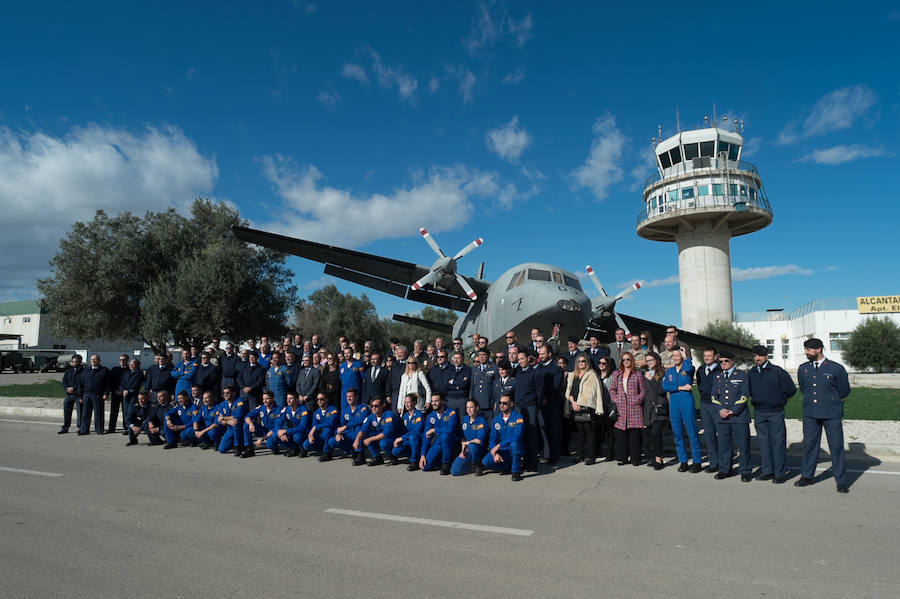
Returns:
point(355, 72)
point(50, 182)
point(328, 99)
point(514, 77)
point(434, 84)
point(330, 215)
point(390, 77)
point(466, 80)
point(767, 272)
point(835, 111)
point(672, 280)
point(322, 281)
point(489, 26)
point(751, 147)
point(602, 168)
point(509, 141)
point(189, 74)
point(841, 154)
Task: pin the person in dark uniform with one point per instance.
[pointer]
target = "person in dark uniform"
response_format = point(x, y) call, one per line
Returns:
point(95, 385)
point(770, 388)
point(482, 389)
point(156, 417)
point(137, 416)
point(71, 383)
point(308, 384)
point(526, 390)
point(251, 380)
point(115, 395)
point(130, 384)
point(375, 380)
point(572, 353)
point(440, 374)
point(550, 416)
point(825, 386)
point(595, 351)
point(503, 383)
point(705, 376)
point(208, 377)
point(229, 365)
point(293, 368)
point(159, 376)
point(731, 394)
point(458, 387)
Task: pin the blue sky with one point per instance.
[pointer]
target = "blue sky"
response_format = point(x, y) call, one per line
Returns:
point(526, 124)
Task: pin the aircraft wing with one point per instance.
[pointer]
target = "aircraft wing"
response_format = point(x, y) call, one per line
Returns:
point(384, 274)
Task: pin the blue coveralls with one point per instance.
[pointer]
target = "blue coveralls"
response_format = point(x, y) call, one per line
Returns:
point(443, 446)
point(771, 388)
point(509, 434)
point(353, 419)
point(731, 391)
point(351, 378)
point(372, 426)
point(204, 418)
point(824, 390)
point(265, 421)
point(184, 374)
point(177, 416)
point(473, 429)
point(682, 414)
point(277, 380)
point(325, 422)
point(296, 424)
point(233, 435)
point(411, 440)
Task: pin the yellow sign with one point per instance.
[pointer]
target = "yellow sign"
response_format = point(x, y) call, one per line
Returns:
point(878, 304)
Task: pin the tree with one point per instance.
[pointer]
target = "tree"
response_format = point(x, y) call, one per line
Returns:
point(730, 333)
point(165, 278)
point(874, 344)
point(331, 314)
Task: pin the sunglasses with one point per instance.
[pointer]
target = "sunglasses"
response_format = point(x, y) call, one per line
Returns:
point(504, 403)
point(582, 361)
point(724, 361)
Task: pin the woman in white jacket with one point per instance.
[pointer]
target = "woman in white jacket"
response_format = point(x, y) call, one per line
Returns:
point(585, 396)
point(415, 381)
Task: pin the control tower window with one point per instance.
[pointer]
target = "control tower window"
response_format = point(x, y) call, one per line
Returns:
point(718, 189)
point(676, 155)
point(664, 160)
point(723, 147)
point(691, 151)
point(708, 148)
point(687, 193)
point(673, 195)
point(733, 152)
point(703, 190)
point(535, 274)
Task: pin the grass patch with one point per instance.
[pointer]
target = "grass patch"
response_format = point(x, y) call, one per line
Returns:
point(50, 389)
point(864, 403)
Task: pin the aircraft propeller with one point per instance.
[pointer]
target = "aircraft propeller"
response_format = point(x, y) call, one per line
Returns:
point(445, 266)
point(607, 303)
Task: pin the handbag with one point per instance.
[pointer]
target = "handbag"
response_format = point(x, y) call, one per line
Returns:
point(613, 414)
point(584, 414)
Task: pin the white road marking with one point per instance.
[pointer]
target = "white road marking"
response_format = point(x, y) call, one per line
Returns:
point(31, 472)
point(30, 421)
point(442, 523)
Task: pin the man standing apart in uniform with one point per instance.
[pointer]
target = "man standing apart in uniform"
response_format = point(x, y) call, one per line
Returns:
point(71, 382)
point(770, 387)
point(94, 387)
point(825, 386)
point(705, 376)
point(731, 395)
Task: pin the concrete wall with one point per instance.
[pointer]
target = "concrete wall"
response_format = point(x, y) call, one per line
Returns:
point(704, 270)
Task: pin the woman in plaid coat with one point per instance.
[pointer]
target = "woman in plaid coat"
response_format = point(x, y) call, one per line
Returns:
point(627, 391)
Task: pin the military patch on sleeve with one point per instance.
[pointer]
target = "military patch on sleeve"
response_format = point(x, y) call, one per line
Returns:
point(497, 426)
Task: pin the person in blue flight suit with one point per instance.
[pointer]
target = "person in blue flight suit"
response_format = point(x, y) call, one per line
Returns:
point(208, 375)
point(179, 424)
point(345, 434)
point(232, 411)
point(506, 445)
point(184, 373)
point(377, 433)
point(154, 425)
point(293, 427)
point(503, 383)
point(207, 430)
point(130, 384)
point(265, 354)
point(441, 441)
point(351, 374)
point(705, 376)
point(731, 395)
point(229, 364)
point(324, 421)
point(278, 379)
point(375, 379)
point(550, 415)
point(71, 383)
point(770, 388)
point(474, 444)
point(261, 423)
point(440, 374)
point(825, 386)
point(136, 418)
point(95, 384)
point(458, 387)
point(410, 442)
point(677, 382)
point(484, 372)
point(252, 380)
point(526, 390)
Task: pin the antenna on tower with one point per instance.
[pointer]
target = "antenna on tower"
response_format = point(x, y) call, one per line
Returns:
point(677, 121)
point(715, 118)
point(706, 119)
point(659, 131)
point(735, 125)
point(742, 125)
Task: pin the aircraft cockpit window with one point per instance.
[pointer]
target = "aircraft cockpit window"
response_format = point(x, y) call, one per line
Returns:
point(557, 277)
point(517, 280)
point(535, 274)
point(572, 282)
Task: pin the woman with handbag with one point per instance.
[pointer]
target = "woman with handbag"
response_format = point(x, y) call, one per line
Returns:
point(656, 409)
point(415, 381)
point(585, 398)
point(627, 393)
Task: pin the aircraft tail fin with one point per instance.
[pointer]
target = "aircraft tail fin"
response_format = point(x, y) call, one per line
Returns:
point(425, 324)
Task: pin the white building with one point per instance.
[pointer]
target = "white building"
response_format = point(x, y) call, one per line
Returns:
point(831, 320)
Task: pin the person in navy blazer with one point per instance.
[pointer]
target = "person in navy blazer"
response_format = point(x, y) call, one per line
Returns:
point(375, 380)
point(825, 386)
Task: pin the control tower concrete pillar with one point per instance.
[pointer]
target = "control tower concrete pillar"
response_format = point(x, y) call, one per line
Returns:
point(704, 267)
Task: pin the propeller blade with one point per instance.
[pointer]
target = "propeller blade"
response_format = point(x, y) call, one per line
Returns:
point(429, 278)
point(431, 242)
point(628, 291)
point(593, 276)
point(466, 287)
point(623, 326)
point(468, 248)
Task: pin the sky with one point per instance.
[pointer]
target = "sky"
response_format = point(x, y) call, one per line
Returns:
point(526, 124)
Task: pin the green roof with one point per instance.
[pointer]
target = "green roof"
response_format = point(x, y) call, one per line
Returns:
point(23, 307)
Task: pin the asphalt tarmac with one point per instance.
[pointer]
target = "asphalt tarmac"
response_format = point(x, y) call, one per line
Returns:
point(88, 516)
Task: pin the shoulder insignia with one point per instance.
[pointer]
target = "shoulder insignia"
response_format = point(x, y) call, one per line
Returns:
point(497, 426)
point(519, 421)
point(465, 426)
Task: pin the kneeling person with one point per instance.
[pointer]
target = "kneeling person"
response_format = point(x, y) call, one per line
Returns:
point(137, 416)
point(180, 422)
point(410, 442)
point(441, 436)
point(260, 423)
point(231, 418)
point(474, 445)
point(325, 420)
point(507, 445)
point(377, 433)
point(207, 431)
point(293, 426)
point(351, 423)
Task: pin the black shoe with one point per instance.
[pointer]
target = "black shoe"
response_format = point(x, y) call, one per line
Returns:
point(205, 445)
point(722, 475)
point(658, 465)
point(578, 458)
point(239, 451)
point(695, 468)
point(590, 461)
point(779, 480)
point(505, 472)
point(803, 482)
point(769, 476)
point(412, 467)
point(479, 469)
point(249, 452)
point(517, 476)
point(621, 463)
point(276, 451)
point(445, 469)
point(109, 431)
point(394, 460)
point(746, 478)
point(683, 467)
point(125, 432)
point(303, 453)
point(81, 433)
point(636, 464)
point(130, 443)
point(62, 431)
point(843, 488)
point(325, 457)
point(151, 443)
point(712, 469)
point(376, 461)
point(292, 453)
point(170, 445)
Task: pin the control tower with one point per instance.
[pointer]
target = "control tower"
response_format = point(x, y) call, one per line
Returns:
point(702, 196)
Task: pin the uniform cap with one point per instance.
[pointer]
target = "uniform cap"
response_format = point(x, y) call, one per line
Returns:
point(760, 350)
point(727, 354)
point(573, 339)
point(813, 343)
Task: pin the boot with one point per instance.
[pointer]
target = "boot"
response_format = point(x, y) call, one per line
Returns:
point(303, 453)
point(394, 461)
point(479, 469)
point(238, 451)
point(445, 469)
point(358, 458)
point(249, 452)
point(376, 461)
point(326, 456)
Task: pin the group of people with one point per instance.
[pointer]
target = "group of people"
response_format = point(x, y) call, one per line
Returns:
point(442, 408)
